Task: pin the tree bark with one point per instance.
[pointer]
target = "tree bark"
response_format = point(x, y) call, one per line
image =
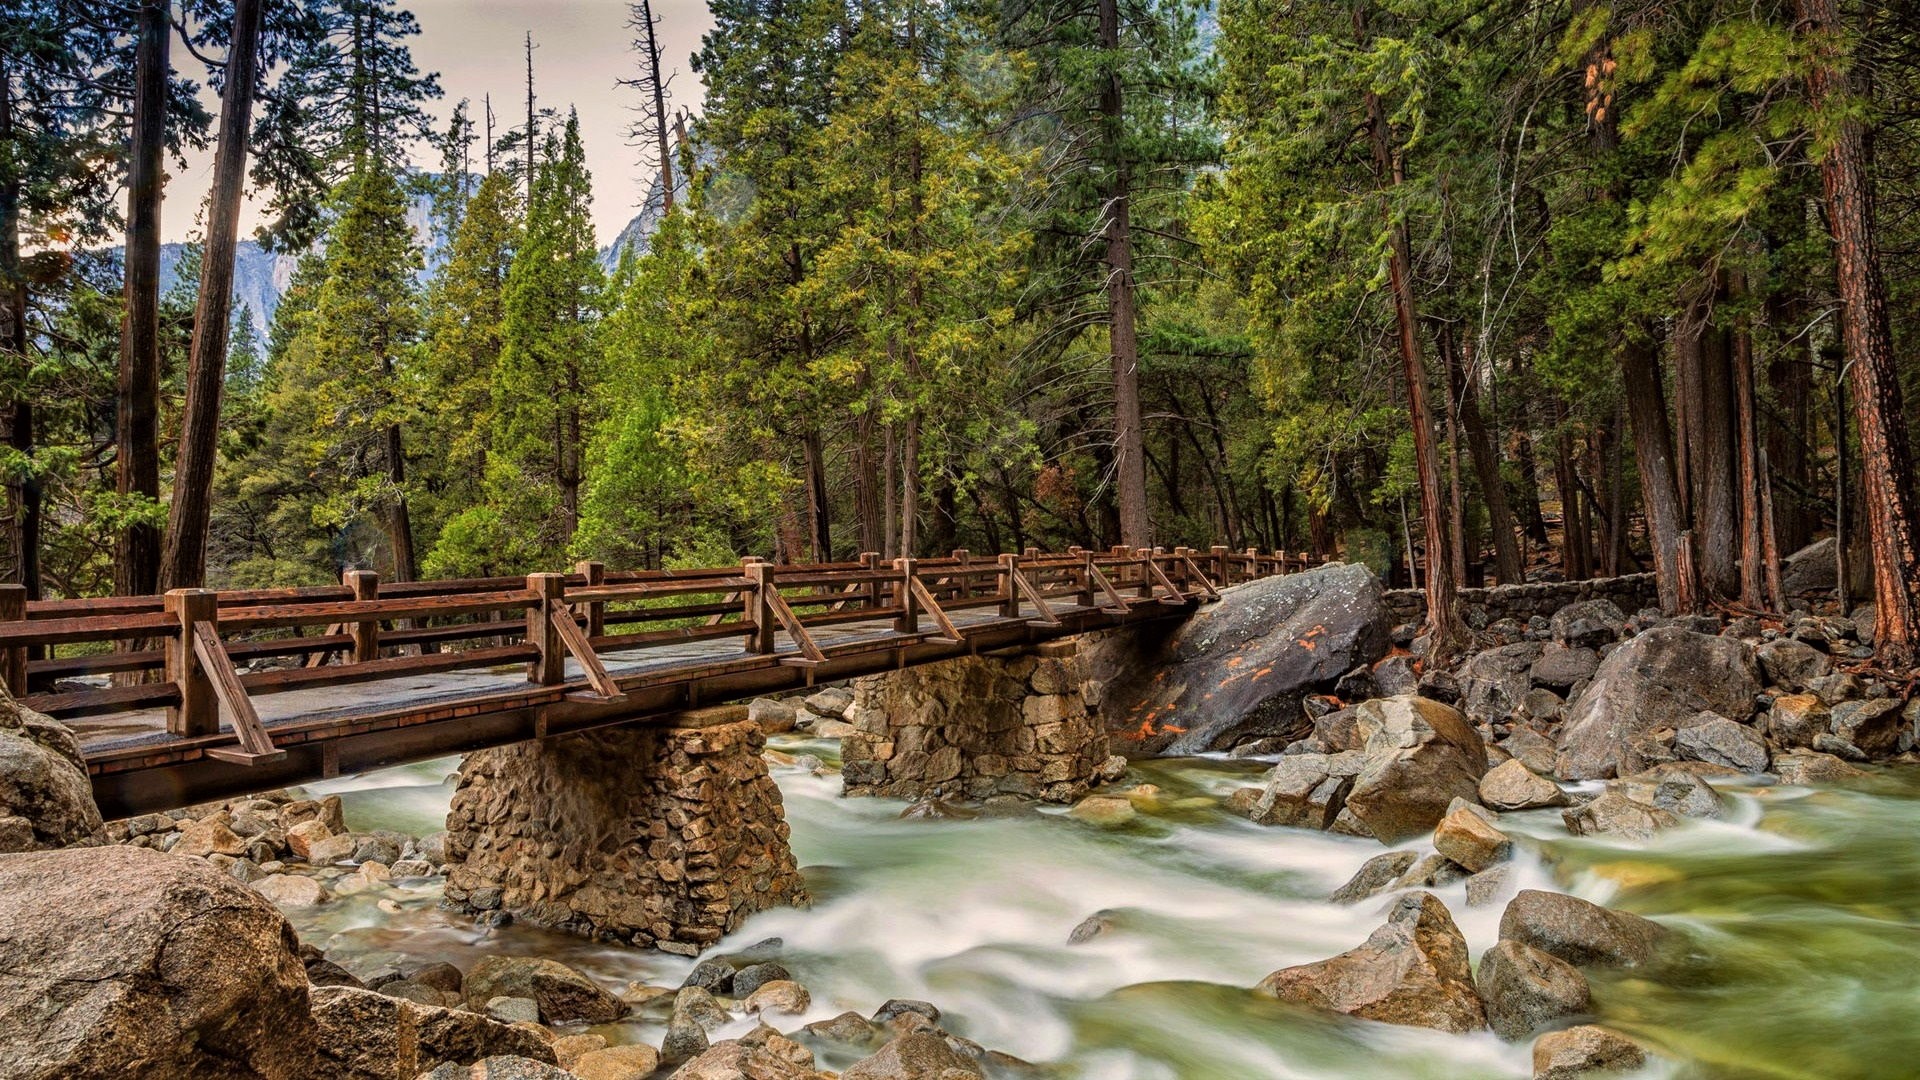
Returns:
point(136, 564)
point(1712, 448)
point(1129, 459)
point(23, 494)
point(1659, 488)
point(1753, 588)
point(1486, 468)
point(1886, 464)
point(659, 88)
point(185, 563)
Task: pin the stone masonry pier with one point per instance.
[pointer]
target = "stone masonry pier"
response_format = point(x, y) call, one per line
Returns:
point(664, 836)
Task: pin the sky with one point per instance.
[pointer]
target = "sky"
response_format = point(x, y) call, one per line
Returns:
point(581, 47)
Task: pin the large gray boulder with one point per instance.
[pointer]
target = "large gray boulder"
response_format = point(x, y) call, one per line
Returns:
point(1526, 989)
point(917, 1055)
point(1494, 683)
point(1238, 670)
point(1420, 756)
point(46, 800)
point(365, 1035)
point(563, 994)
point(1579, 932)
point(1813, 569)
point(122, 962)
point(1411, 971)
point(1664, 678)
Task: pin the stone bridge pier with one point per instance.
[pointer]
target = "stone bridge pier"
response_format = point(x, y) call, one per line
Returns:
point(658, 835)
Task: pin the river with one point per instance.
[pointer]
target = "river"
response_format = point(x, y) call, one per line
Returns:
point(1802, 909)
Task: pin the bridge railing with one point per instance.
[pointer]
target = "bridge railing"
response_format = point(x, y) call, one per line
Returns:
point(199, 654)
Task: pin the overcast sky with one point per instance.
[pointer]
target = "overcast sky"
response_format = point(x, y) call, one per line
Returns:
point(581, 48)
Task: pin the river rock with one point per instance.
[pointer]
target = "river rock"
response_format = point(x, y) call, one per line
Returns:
point(563, 994)
point(1489, 885)
point(1411, 971)
point(1432, 871)
point(1581, 933)
point(1719, 741)
point(1665, 677)
point(849, 1027)
point(1238, 670)
point(1468, 837)
point(779, 996)
point(917, 1055)
point(1588, 624)
point(1675, 790)
point(123, 962)
point(754, 976)
point(1420, 756)
point(1525, 989)
point(1534, 750)
point(1494, 682)
point(1104, 810)
point(1616, 812)
point(1797, 719)
point(1578, 1052)
point(1814, 569)
point(1791, 664)
point(1874, 724)
point(367, 1035)
point(1510, 785)
point(1301, 790)
point(774, 717)
point(1561, 668)
point(1810, 767)
point(291, 890)
point(734, 1060)
point(43, 783)
point(1375, 876)
point(631, 1062)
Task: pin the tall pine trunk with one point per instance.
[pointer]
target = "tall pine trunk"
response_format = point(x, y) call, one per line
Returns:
point(136, 564)
point(1659, 487)
point(1886, 465)
point(1129, 443)
point(16, 417)
point(1486, 469)
point(185, 563)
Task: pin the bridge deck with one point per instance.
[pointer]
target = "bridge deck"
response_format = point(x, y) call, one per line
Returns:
point(434, 668)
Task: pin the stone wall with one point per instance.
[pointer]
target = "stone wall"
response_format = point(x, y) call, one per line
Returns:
point(1481, 607)
point(976, 727)
point(662, 836)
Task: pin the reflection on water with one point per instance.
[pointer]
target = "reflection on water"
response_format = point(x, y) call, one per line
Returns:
point(1803, 908)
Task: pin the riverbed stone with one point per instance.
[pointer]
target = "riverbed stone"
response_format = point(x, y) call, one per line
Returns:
point(1582, 933)
point(1526, 989)
point(123, 962)
point(1494, 682)
point(917, 1055)
point(1510, 785)
point(1663, 678)
point(1411, 971)
point(563, 994)
point(1618, 813)
point(668, 836)
point(291, 890)
point(634, 1061)
point(1301, 790)
point(43, 783)
point(1375, 876)
point(1469, 837)
point(1873, 724)
point(1239, 670)
point(1719, 741)
point(1791, 664)
point(1588, 624)
point(368, 1035)
point(779, 996)
point(1673, 789)
point(849, 1027)
point(1580, 1052)
point(1812, 767)
point(1420, 756)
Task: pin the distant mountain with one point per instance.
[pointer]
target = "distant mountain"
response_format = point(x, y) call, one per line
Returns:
point(638, 234)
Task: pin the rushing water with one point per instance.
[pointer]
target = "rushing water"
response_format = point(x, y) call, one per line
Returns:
point(1802, 909)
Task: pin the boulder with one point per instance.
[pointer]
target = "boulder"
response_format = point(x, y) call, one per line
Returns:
point(366, 1035)
point(1581, 933)
point(754, 976)
point(1510, 785)
point(291, 890)
point(43, 783)
point(1420, 756)
point(1674, 789)
point(1104, 810)
point(1808, 767)
point(1411, 971)
point(1618, 813)
point(1813, 569)
point(1561, 668)
point(778, 996)
point(1577, 1053)
point(1588, 624)
point(1526, 989)
point(1239, 670)
point(1494, 682)
point(563, 994)
point(123, 962)
point(774, 717)
point(504, 1067)
point(1468, 837)
point(1792, 664)
point(1797, 719)
point(1375, 876)
point(634, 1061)
point(917, 1055)
point(831, 702)
point(1717, 740)
point(1664, 678)
point(1874, 725)
point(1489, 885)
point(1395, 676)
point(1432, 871)
point(1531, 749)
point(1302, 790)
point(849, 1027)
point(735, 1060)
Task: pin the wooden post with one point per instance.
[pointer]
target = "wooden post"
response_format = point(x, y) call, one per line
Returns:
point(870, 562)
point(1181, 556)
point(1009, 597)
point(908, 620)
point(1221, 569)
point(1088, 597)
point(366, 633)
point(759, 612)
point(13, 662)
point(1145, 589)
point(550, 667)
point(596, 610)
point(198, 711)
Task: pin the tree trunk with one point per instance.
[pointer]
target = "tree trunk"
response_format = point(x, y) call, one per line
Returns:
point(185, 564)
point(136, 564)
point(23, 494)
point(1788, 432)
point(866, 476)
point(1753, 588)
point(1486, 469)
point(1129, 443)
point(659, 88)
point(1713, 453)
point(819, 513)
point(1886, 465)
point(1659, 488)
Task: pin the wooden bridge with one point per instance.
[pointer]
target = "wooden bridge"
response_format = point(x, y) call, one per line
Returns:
point(198, 694)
